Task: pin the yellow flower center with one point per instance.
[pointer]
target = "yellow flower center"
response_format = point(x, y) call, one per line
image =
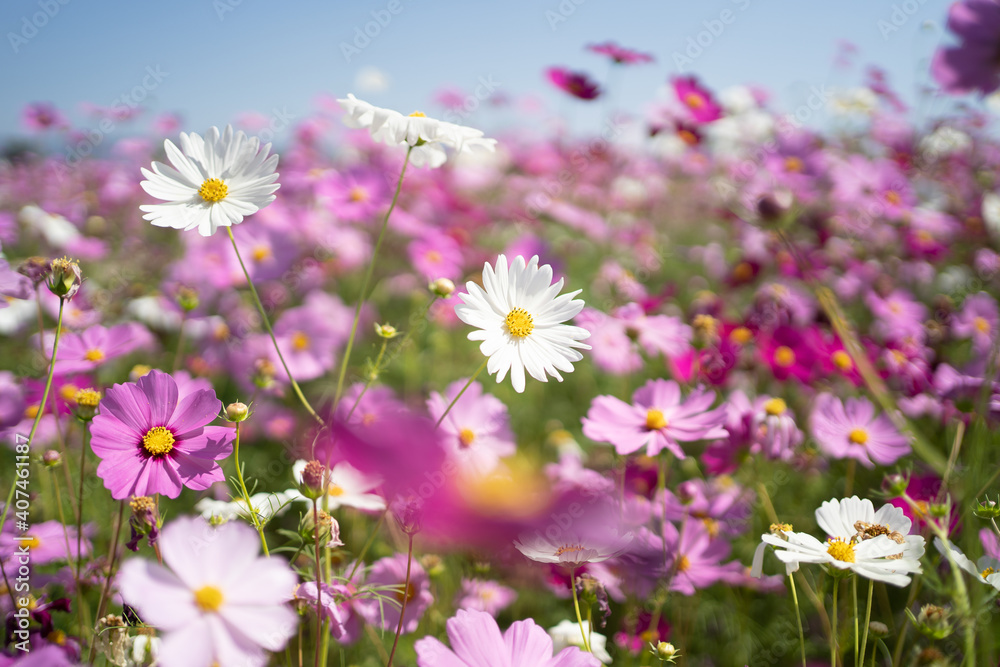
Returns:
point(87, 398)
point(987, 572)
point(520, 323)
point(260, 253)
point(335, 490)
point(411, 592)
point(433, 256)
point(418, 114)
point(794, 164)
point(158, 441)
point(300, 341)
point(743, 272)
point(466, 437)
point(858, 436)
point(841, 550)
point(208, 598)
point(68, 391)
point(842, 360)
point(31, 411)
point(893, 197)
point(694, 101)
point(741, 335)
point(655, 419)
point(213, 190)
point(57, 637)
point(784, 356)
point(358, 194)
point(981, 324)
point(711, 526)
point(775, 407)
point(684, 564)
point(568, 549)
point(94, 354)
point(30, 543)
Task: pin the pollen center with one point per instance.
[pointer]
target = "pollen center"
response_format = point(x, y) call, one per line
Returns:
point(33, 543)
point(987, 572)
point(358, 194)
point(520, 323)
point(858, 436)
point(794, 164)
point(842, 360)
point(208, 598)
point(775, 407)
point(213, 190)
point(841, 550)
point(335, 490)
point(684, 564)
point(94, 354)
point(981, 324)
point(158, 441)
point(655, 419)
point(694, 101)
point(568, 549)
point(466, 437)
point(260, 253)
point(300, 341)
point(418, 114)
point(784, 356)
point(741, 335)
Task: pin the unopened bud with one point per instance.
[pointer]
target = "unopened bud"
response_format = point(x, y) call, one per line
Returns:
point(878, 629)
point(987, 509)
point(314, 479)
point(65, 279)
point(385, 330)
point(665, 652)
point(933, 621)
point(263, 375)
point(237, 412)
point(51, 458)
point(187, 298)
point(442, 287)
point(896, 484)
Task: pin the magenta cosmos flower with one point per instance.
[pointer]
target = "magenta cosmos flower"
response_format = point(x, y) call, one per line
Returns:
point(658, 418)
point(973, 65)
point(86, 351)
point(852, 430)
point(577, 84)
point(697, 99)
point(154, 438)
point(619, 54)
point(214, 600)
point(477, 641)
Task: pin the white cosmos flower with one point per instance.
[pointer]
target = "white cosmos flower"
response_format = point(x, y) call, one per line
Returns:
point(856, 520)
point(348, 487)
point(427, 137)
point(266, 505)
point(573, 547)
point(567, 634)
point(213, 182)
point(519, 320)
point(986, 569)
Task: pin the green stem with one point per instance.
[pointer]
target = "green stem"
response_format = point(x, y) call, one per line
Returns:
point(364, 550)
point(251, 510)
point(319, 585)
point(41, 408)
point(798, 619)
point(576, 606)
point(833, 620)
point(112, 555)
point(854, 589)
point(468, 384)
point(868, 620)
point(270, 332)
point(79, 515)
point(406, 597)
point(364, 285)
point(371, 378)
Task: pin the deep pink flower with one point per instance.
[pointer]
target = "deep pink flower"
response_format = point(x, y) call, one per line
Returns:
point(973, 65)
point(659, 418)
point(619, 54)
point(697, 99)
point(477, 641)
point(577, 84)
point(215, 600)
point(152, 438)
point(852, 429)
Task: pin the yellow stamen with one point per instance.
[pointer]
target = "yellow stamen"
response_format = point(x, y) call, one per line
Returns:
point(568, 549)
point(893, 197)
point(684, 564)
point(784, 356)
point(741, 335)
point(655, 419)
point(841, 550)
point(208, 598)
point(981, 324)
point(858, 436)
point(68, 391)
point(433, 256)
point(31, 543)
point(694, 101)
point(31, 411)
point(775, 407)
point(466, 437)
point(158, 441)
point(418, 114)
point(335, 490)
point(358, 194)
point(794, 164)
point(300, 341)
point(842, 360)
point(94, 354)
point(411, 592)
point(260, 253)
point(987, 572)
point(520, 323)
point(213, 190)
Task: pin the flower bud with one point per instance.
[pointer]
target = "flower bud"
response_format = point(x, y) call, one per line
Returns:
point(442, 288)
point(665, 652)
point(987, 509)
point(314, 480)
point(933, 621)
point(322, 526)
point(895, 484)
point(86, 401)
point(263, 375)
point(65, 279)
point(187, 298)
point(385, 330)
point(237, 412)
point(433, 565)
point(51, 458)
point(878, 629)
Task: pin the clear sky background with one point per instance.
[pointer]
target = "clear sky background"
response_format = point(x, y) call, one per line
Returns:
point(219, 58)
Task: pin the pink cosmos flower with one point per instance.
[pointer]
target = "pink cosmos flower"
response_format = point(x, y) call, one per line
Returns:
point(972, 65)
point(154, 438)
point(41, 116)
point(214, 599)
point(658, 418)
point(354, 196)
point(391, 571)
point(310, 334)
point(697, 99)
point(619, 54)
point(488, 596)
point(577, 84)
point(477, 430)
point(45, 541)
point(435, 255)
point(851, 429)
point(618, 338)
point(85, 351)
point(978, 320)
point(477, 641)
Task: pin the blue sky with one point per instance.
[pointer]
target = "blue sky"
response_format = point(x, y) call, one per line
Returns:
point(218, 58)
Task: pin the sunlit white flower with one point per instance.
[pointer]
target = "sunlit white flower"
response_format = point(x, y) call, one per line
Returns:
point(986, 569)
point(879, 558)
point(266, 505)
point(567, 633)
point(519, 320)
point(347, 488)
point(426, 137)
point(213, 182)
point(854, 519)
point(573, 547)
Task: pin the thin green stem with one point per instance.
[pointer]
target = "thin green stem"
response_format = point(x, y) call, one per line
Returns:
point(798, 618)
point(833, 620)
point(69, 553)
point(854, 594)
point(79, 515)
point(468, 384)
point(364, 550)
point(251, 510)
point(576, 606)
point(319, 585)
point(41, 408)
point(406, 597)
point(868, 620)
point(364, 285)
point(376, 368)
point(112, 555)
point(270, 332)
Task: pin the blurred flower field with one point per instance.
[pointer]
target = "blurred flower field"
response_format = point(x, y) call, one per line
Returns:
point(723, 391)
